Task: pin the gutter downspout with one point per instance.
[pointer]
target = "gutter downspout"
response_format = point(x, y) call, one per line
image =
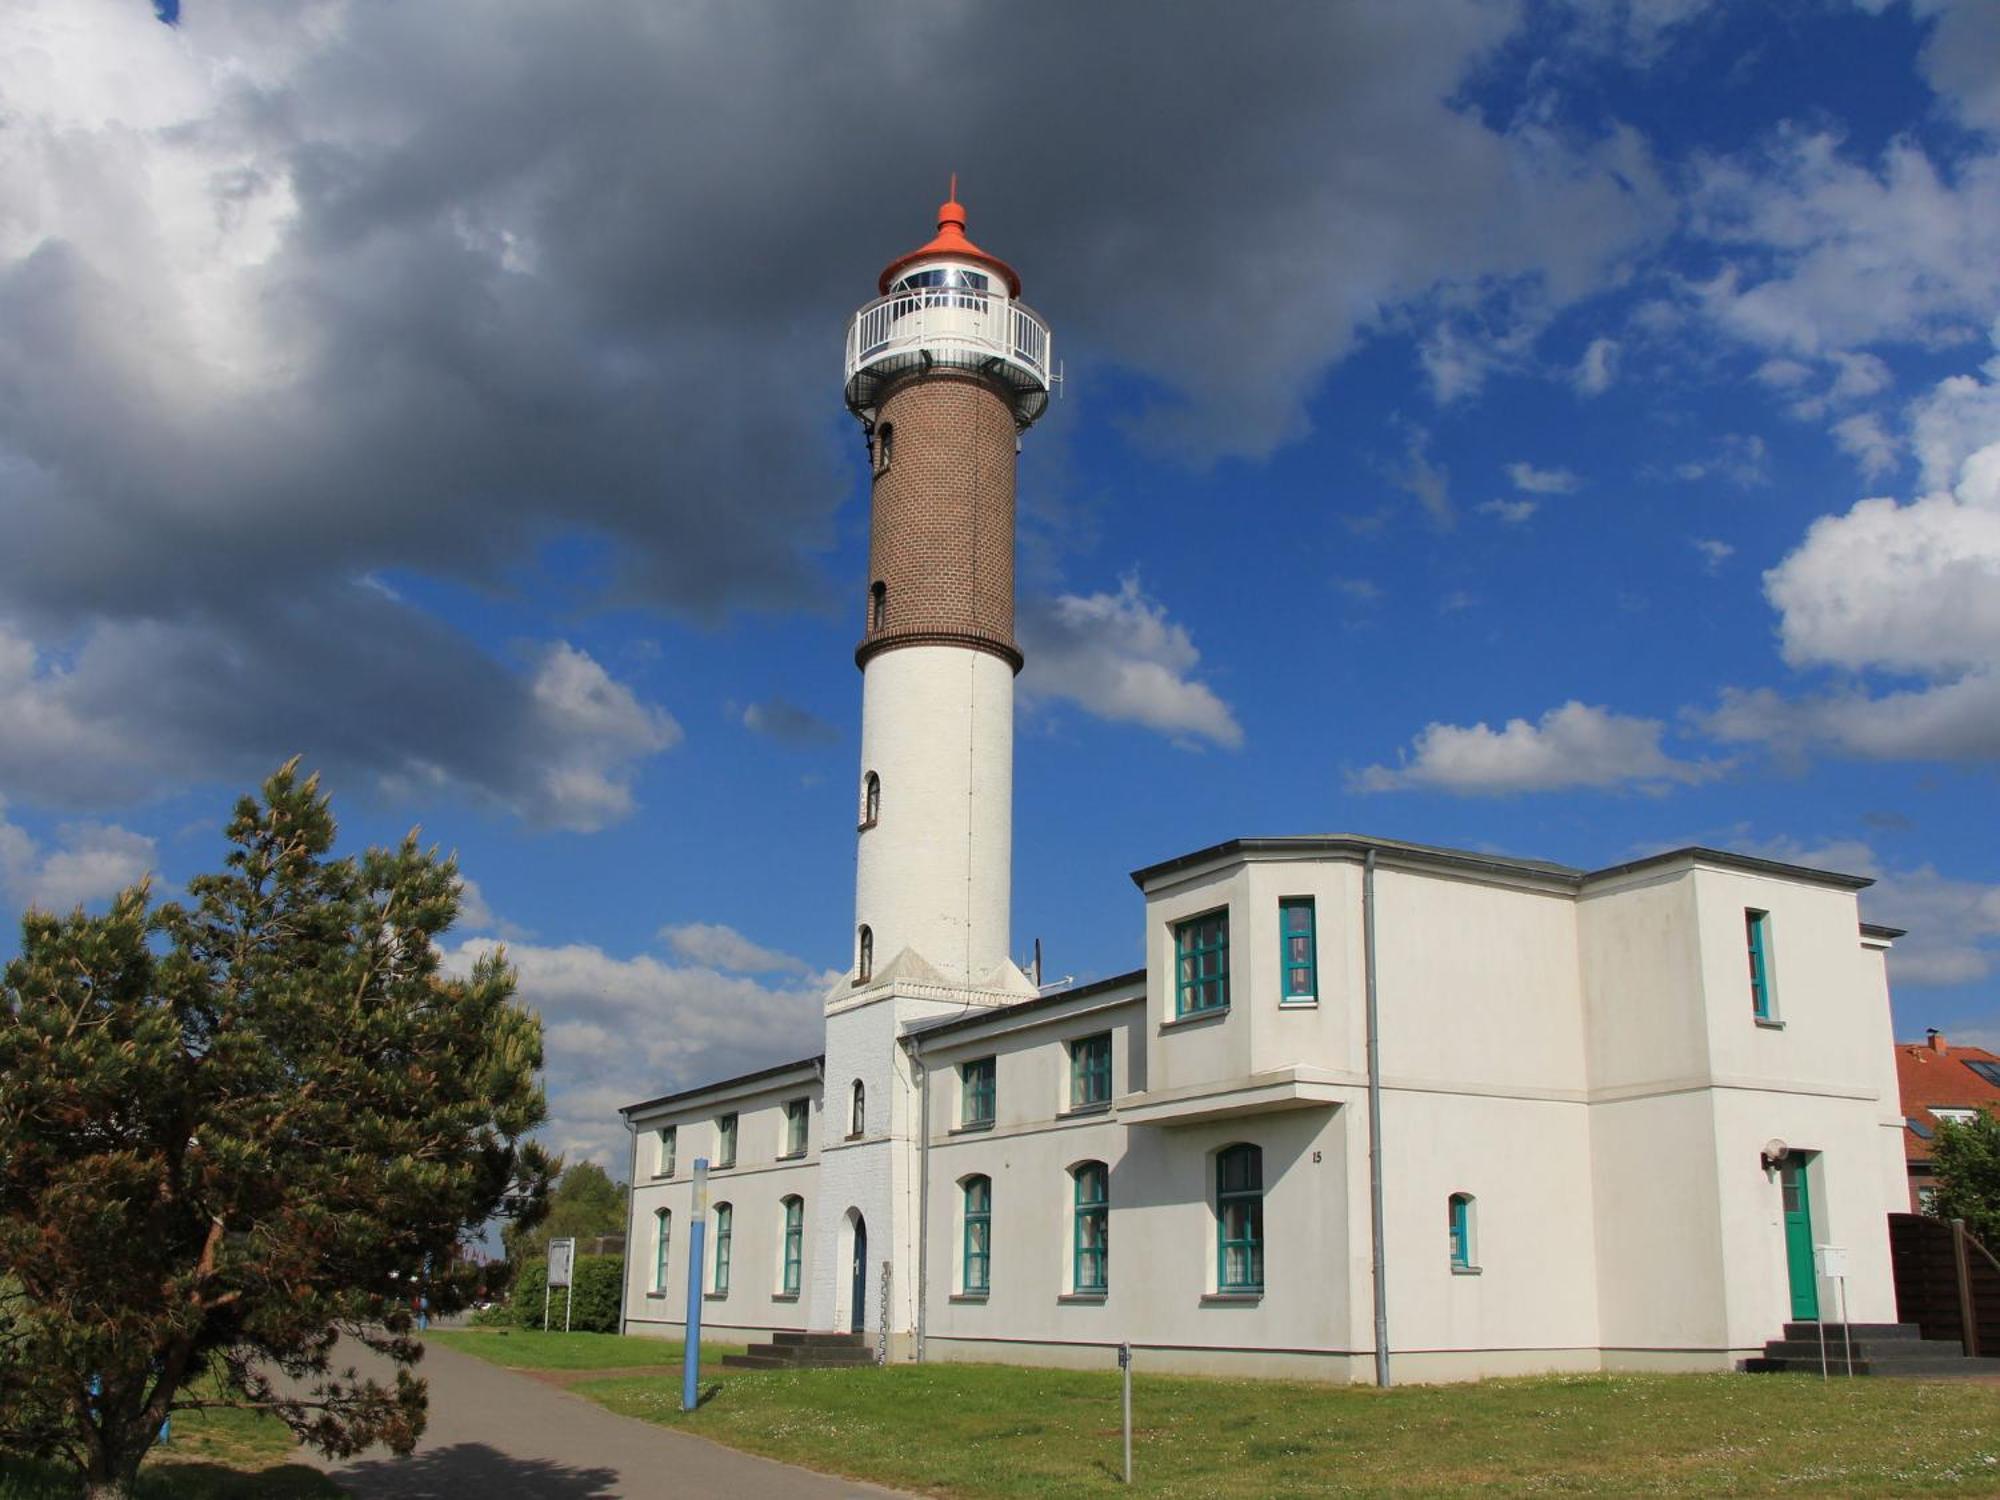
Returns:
point(923, 1190)
point(1377, 1257)
point(631, 1206)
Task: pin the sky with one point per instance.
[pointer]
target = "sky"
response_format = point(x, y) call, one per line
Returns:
point(1565, 428)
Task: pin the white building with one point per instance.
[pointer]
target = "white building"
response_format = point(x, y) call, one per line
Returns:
point(1370, 1104)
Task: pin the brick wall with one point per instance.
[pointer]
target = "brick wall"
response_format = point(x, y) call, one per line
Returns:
point(941, 536)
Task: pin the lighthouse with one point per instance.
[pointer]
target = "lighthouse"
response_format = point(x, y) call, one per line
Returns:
point(945, 369)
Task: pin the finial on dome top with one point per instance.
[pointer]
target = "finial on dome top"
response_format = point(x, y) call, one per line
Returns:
point(951, 211)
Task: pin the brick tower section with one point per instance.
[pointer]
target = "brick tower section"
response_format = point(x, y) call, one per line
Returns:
point(941, 532)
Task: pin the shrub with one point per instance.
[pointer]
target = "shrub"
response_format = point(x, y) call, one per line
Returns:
point(593, 1300)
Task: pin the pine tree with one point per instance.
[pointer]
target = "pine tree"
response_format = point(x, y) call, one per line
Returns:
point(224, 1125)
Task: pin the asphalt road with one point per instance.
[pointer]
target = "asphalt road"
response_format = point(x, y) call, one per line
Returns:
point(497, 1435)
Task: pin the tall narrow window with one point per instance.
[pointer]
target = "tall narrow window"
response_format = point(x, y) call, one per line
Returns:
point(878, 605)
point(725, 1141)
point(975, 1082)
point(795, 1234)
point(1757, 928)
point(1239, 1219)
point(1460, 1209)
point(1090, 1265)
point(885, 446)
point(864, 954)
point(857, 1120)
point(978, 1235)
point(871, 799)
point(725, 1218)
point(798, 1114)
point(1300, 963)
point(668, 1144)
point(663, 1234)
point(1090, 1070)
point(1201, 963)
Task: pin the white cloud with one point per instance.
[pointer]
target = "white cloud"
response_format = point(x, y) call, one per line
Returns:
point(723, 947)
point(619, 1030)
point(1714, 553)
point(1513, 512)
point(1863, 438)
point(1118, 657)
point(1959, 417)
point(1742, 459)
point(1360, 590)
point(90, 862)
point(1597, 369)
point(1428, 483)
point(1576, 745)
point(1784, 374)
point(1536, 481)
point(597, 731)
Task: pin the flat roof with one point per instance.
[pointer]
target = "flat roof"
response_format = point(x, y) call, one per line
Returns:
point(1478, 862)
point(929, 1029)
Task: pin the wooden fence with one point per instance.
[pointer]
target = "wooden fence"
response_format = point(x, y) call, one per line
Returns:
point(1947, 1283)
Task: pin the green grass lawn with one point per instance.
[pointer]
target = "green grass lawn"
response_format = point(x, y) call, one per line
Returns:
point(529, 1349)
point(213, 1455)
point(993, 1431)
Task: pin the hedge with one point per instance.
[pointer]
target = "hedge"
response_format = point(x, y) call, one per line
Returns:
point(594, 1297)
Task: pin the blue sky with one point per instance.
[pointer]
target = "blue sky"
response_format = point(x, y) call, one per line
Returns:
point(1561, 428)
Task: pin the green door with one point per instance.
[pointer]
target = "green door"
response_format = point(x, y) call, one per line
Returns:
point(1799, 1239)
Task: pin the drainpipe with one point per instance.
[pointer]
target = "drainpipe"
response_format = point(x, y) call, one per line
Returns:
point(631, 1195)
point(1375, 1237)
point(923, 1188)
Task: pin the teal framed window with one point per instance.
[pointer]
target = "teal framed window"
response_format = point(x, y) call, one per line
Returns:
point(1757, 932)
point(1239, 1219)
point(977, 1270)
point(1297, 956)
point(798, 1115)
point(725, 1141)
point(977, 1092)
point(663, 1236)
point(1201, 964)
point(795, 1237)
point(1090, 1250)
point(669, 1145)
point(1461, 1231)
point(1090, 1070)
point(725, 1218)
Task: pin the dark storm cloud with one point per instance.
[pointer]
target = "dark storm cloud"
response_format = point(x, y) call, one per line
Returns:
point(424, 286)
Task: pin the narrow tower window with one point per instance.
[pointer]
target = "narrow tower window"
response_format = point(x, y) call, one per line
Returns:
point(878, 605)
point(885, 446)
point(864, 957)
point(858, 1120)
point(871, 799)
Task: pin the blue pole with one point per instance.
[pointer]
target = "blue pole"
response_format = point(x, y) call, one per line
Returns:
point(691, 1347)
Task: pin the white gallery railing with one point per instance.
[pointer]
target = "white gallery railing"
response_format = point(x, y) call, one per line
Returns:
point(954, 323)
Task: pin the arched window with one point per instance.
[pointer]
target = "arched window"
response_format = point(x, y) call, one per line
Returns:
point(725, 1217)
point(858, 1120)
point(1239, 1219)
point(864, 956)
point(871, 799)
point(878, 605)
point(1461, 1221)
point(885, 446)
point(663, 1235)
point(795, 1234)
point(1090, 1250)
point(978, 1262)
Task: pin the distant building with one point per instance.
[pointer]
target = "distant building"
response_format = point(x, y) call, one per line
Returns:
point(1481, 1115)
point(1938, 1081)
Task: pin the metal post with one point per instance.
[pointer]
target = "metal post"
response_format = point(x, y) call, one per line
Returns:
point(1820, 1324)
point(1125, 1367)
point(546, 1289)
point(691, 1344)
point(1377, 1254)
point(1968, 1315)
point(569, 1295)
point(1841, 1283)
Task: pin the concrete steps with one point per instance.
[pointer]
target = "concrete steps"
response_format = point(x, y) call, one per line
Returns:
point(1877, 1349)
point(804, 1351)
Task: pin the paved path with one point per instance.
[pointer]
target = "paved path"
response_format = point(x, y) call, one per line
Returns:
point(496, 1434)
